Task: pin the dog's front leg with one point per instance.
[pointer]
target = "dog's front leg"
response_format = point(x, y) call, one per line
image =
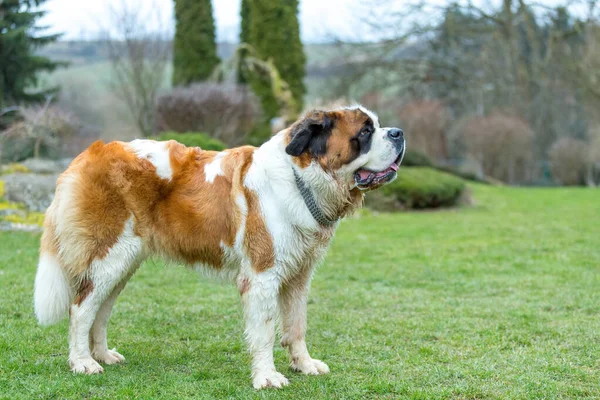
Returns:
point(259, 296)
point(293, 298)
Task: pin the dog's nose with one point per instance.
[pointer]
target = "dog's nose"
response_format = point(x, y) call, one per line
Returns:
point(395, 134)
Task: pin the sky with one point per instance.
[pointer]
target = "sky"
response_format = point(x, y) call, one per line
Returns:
point(82, 19)
point(320, 20)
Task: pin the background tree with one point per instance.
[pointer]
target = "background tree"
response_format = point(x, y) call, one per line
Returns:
point(501, 64)
point(246, 63)
point(19, 65)
point(245, 21)
point(194, 48)
point(244, 39)
point(271, 27)
point(138, 51)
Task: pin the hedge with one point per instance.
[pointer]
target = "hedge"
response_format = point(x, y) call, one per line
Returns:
point(414, 158)
point(417, 188)
point(194, 139)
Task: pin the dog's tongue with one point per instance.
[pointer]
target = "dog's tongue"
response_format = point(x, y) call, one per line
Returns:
point(364, 174)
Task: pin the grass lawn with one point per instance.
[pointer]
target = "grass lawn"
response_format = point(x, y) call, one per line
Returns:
point(498, 300)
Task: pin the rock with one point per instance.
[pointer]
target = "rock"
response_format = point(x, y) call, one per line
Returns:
point(4, 212)
point(45, 166)
point(13, 226)
point(34, 190)
point(64, 163)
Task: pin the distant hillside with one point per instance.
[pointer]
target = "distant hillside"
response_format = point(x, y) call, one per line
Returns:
point(79, 53)
point(89, 70)
point(90, 52)
point(85, 84)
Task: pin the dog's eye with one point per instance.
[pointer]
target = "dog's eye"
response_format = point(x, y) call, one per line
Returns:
point(366, 131)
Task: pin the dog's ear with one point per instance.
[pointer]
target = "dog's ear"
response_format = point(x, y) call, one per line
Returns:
point(310, 134)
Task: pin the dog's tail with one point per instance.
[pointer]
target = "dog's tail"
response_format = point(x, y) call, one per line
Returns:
point(53, 293)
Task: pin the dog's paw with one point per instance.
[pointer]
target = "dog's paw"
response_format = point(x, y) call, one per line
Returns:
point(108, 357)
point(269, 379)
point(85, 366)
point(310, 366)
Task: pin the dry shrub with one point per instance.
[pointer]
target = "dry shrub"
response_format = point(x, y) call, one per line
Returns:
point(98, 110)
point(374, 101)
point(42, 132)
point(594, 135)
point(594, 169)
point(425, 123)
point(326, 104)
point(501, 143)
point(138, 43)
point(81, 97)
point(223, 111)
point(569, 161)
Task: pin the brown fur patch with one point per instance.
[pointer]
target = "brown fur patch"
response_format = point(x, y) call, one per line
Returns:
point(346, 125)
point(303, 160)
point(85, 288)
point(197, 216)
point(49, 241)
point(340, 149)
point(184, 218)
point(258, 242)
point(355, 201)
point(96, 212)
point(339, 145)
point(100, 208)
point(257, 239)
point(243, 285)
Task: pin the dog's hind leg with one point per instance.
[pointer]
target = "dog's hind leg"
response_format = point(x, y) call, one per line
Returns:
point(100, 282)
point(98, 340)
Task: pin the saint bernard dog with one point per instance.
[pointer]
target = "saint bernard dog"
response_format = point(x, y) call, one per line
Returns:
point(260, 217)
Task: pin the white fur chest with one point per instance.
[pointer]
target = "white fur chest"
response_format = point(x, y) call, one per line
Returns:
point(298, 240)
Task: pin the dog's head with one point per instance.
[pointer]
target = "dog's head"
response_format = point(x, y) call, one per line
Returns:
point(350, 144)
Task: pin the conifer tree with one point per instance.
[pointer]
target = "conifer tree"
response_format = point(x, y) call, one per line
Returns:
point(194, 48)
point(19, 64)
point(272, 28)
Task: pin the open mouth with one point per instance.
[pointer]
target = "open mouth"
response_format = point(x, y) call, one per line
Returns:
point(366, 179)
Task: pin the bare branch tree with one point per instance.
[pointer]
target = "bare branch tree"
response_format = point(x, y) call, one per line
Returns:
point(139, 49)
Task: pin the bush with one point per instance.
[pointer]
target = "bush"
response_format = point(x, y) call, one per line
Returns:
point(414, 158)
point(463, 173)
point(418, 188)
point(193, 139)
point(501, 142)
point(426, 123)
point(569, 160)
point(225, 112)
point(594, 154)
point(41, 132)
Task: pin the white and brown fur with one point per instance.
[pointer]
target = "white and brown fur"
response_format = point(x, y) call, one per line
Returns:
point(237, 214)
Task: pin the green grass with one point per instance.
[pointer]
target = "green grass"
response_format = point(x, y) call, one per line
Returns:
point(499, 300)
